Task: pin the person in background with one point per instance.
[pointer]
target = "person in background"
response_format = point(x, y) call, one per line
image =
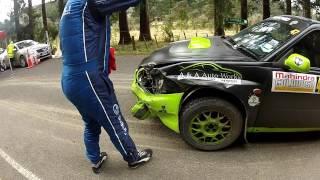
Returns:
point(85, 43)
point(10, 51)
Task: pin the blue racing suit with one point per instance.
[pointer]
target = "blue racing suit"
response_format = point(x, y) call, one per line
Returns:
point(85, 42)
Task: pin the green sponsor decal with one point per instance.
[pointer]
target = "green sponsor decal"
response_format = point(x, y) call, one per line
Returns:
point(203, 66)
point(199, 43)
point(210, 72)
point(283, 130)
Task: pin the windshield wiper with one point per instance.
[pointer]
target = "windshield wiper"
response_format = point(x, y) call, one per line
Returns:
point(247, 51)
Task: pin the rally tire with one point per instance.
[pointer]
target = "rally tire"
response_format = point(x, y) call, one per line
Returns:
point(22, 62)
point(210, 134)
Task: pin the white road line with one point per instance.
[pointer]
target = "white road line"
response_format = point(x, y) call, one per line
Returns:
point(26, 173)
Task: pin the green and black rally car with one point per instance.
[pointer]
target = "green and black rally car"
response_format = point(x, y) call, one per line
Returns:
point(214, 90)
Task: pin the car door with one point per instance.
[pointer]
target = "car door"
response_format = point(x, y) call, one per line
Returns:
point(291, 101)
point(16, 50)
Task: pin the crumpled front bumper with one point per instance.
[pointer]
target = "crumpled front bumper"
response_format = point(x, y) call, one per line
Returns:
point(164, 106)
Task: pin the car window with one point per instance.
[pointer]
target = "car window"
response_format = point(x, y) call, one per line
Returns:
point(267, 36)
point(25, 44)
point(309, 47)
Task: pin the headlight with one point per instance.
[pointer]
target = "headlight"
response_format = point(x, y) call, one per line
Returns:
point(160, 84)
point(150, 79)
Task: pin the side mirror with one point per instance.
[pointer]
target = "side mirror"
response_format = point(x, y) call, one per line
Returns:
point(298, 63)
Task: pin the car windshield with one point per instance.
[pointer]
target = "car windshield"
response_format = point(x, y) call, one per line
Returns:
point(25, 44)
point(263, 38)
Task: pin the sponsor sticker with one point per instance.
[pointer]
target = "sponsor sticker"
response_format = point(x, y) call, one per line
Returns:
point(217, 77)
point(210, 72)
point(294, 32)
point(116, 109)
point(254, 100)
point(294, 23)
point(122, 125)
point(298, 61)
point(318, 85)
point(282, 18)
point(295, 82)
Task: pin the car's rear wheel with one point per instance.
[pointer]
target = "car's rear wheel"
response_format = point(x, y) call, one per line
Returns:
point(210, 123)
point(22, 62)
point(5, 66)
point(2, 68)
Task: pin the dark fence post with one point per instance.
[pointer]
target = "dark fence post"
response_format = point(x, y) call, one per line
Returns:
point(133, 43)
point(155, 37)
point(145, 42)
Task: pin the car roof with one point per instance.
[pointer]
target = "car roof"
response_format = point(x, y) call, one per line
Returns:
point(306, 20)
point(23, 41)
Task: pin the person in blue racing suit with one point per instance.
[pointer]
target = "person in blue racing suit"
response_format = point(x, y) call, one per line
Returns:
point(85, 42)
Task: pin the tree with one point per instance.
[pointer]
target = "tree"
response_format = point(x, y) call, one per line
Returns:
point(218, 17)
point(288, 7)
point(44, 19)
point(145, 33)
point(306, 8)
point(181, 11)
point(31, 19)
point(60, 7)
point(125, 37)
point(266, 9)
point(244, 12)
point(16, 19)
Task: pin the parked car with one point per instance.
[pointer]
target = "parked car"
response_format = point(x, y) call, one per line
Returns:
point(22, 48)
point(4, 61)
point(215, 90)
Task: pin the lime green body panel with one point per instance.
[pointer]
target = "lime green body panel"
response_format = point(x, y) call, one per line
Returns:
point(284, 130)
point(199, 43)
point(164, 106)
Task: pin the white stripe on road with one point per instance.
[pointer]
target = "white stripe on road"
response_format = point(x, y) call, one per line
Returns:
point(26, 173)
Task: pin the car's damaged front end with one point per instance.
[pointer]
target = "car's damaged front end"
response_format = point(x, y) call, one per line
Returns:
point(157, 96)
point(165, 78)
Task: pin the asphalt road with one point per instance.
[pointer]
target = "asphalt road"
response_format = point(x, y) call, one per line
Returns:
point(41, 137)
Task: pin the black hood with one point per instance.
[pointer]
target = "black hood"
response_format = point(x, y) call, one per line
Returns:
point(179, 52)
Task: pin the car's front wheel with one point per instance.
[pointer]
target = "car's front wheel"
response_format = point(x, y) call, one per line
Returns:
point(210, 123)
point(22, 62)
